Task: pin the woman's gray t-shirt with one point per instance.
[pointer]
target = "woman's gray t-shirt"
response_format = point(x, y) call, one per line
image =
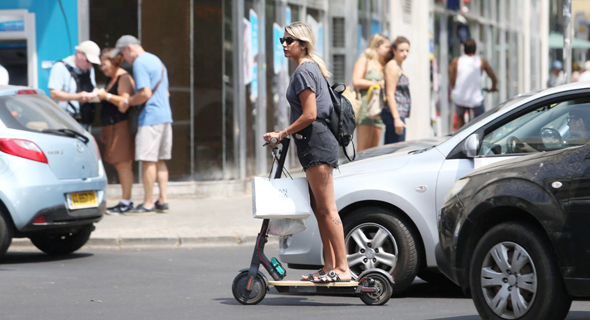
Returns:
point(309, 75)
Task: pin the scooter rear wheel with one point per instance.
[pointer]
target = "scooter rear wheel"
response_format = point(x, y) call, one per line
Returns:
point(382, 293)
point(254, 296)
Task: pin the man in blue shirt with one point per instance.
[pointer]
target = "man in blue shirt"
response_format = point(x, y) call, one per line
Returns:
point(153, 142)
point(71, 72)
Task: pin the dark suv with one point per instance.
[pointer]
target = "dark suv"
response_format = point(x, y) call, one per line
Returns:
point(516, 235)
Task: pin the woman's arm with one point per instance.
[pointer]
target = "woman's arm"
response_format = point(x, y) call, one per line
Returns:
point(124, 90)
point(359, 72)
point(392, 72)
point(310, 111)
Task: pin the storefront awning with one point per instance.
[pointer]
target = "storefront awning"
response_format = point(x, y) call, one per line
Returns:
point(556, 42)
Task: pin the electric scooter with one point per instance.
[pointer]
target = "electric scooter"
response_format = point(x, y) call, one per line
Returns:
point(374, 286)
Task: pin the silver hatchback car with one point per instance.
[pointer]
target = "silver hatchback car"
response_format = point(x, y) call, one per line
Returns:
point(52, 181)
point(390, 199)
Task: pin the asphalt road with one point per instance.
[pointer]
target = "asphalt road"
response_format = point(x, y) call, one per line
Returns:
point(189, 283)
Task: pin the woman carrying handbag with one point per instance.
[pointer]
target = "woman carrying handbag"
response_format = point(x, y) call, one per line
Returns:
point(368, 73)
point(317, 148)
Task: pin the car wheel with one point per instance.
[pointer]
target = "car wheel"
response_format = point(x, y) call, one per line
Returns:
point(5, 234)
point(59, 244)
point(513, 275)
point(379, 238)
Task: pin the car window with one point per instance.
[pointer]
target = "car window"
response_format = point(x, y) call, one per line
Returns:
point(548, 127)
point(34, 113)
point(506, 104)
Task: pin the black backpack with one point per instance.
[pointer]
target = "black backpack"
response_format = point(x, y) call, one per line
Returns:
point(83, 83)
point(341, 121)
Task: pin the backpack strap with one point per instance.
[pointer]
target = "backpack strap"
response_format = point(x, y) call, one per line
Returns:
point(75, 76)
point(353, 152)
point(142, 106)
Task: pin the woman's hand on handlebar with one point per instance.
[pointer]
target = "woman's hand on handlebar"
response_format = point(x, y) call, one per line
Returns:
point(273, 138)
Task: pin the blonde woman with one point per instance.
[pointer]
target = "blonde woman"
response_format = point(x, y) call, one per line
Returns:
point(317, 148)
point(368, 71)
point(116, 135)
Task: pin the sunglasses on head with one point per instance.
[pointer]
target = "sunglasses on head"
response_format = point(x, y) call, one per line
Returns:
point(289, 40)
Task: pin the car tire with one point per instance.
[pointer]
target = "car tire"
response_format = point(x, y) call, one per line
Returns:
point(394, 250)
point(535, 282)
point(60, 244)
point(5, 233)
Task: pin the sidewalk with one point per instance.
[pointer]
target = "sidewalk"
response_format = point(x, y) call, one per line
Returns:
point(190, 222)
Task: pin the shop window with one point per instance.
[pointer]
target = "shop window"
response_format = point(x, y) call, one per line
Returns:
point(110, 19)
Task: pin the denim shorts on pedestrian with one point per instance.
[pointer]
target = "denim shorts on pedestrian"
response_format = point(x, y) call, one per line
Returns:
point(316, 145)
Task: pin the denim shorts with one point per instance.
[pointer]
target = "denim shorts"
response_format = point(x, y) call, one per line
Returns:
point(316, 145)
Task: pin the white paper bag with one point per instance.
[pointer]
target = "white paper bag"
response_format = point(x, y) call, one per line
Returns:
point(280, 198)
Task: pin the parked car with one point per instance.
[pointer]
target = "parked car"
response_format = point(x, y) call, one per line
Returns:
point(514, 235)
point(52, 181)
point(390, 199)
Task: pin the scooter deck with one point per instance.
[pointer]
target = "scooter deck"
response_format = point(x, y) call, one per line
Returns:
point(312, 284)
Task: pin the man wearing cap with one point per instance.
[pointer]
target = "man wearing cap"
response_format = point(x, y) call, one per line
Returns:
point(557, 76)
point(72, 81)
point(153, 141)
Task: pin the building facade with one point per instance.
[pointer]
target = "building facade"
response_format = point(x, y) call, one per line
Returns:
point(228, 75)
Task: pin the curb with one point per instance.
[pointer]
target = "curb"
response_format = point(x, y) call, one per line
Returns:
point(156, 242)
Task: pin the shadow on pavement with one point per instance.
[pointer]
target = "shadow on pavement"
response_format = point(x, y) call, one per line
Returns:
point(295, 300)
point(36, 257)
point(421, 289)
point(458, 318)
point(578, 315)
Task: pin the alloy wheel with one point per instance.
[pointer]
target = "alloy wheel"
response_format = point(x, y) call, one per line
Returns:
point(509, 280)
point(371, 246)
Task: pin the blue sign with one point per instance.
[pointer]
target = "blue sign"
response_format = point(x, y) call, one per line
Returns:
point(254, 26)
point(288, 16)
point(17, 25)
point(320, 44)
point(254, 85)
point(277, 48)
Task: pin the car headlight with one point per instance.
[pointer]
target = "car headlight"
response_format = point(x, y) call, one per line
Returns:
point(456, 188)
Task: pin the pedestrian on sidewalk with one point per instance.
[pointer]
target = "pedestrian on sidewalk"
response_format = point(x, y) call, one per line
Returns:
point(557, 76)
point(368, 71)
point(72, 82)
point(465, 79)
point(317, 148)
point(397, 92)
point(585, 76)
point(115, 134)
point(153, 141)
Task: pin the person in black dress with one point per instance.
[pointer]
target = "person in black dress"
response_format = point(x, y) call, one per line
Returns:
point(116, 135)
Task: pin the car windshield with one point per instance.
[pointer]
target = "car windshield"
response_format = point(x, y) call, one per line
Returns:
point(498, 108)
point(34, 113)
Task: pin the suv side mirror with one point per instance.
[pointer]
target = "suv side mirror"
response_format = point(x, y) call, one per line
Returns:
point(471, 145)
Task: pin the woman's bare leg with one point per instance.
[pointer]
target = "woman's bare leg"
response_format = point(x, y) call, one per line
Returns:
point(328, 251)
point(375, 137)
point(125, 172)
point(363, 137)
point(331, 230)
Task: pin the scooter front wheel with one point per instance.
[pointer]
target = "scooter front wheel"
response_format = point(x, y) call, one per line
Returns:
point(382, 290)
point(255, 295)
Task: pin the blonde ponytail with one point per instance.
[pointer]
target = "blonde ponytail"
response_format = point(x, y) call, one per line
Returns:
point(302, 32)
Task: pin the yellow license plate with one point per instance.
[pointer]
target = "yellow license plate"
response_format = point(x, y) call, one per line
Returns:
point(81, 200)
